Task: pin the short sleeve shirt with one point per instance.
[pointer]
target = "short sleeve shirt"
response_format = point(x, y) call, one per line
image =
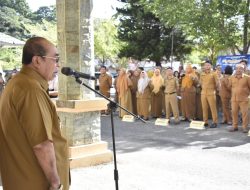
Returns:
point(28, 118)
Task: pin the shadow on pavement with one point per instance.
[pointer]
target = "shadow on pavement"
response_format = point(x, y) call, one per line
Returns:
point(135, 136)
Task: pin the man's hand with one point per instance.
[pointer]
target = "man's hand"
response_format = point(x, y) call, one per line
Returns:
point(59, 187)
point(45, 155)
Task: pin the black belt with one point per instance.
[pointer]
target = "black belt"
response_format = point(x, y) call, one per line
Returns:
point(170, 93)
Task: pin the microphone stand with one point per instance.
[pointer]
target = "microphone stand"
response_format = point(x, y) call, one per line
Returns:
point(112, 106)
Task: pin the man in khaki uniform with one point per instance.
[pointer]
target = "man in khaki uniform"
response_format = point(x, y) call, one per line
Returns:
point(246, 70)
point(225, 95)
point(105, 83)
point(209, 83)
point(34, 155)
point(240, 85)
point(171, 86)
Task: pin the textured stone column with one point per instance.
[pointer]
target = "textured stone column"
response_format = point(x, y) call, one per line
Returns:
point(77, 107)
point(75, 44)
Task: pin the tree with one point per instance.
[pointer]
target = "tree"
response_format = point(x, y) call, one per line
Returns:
point(106, 44)
point(10, 58)
point(18, 21)
point(146, 36)
point(20, 6)
point(216, 25)
point(46, 13)
point(12, 24)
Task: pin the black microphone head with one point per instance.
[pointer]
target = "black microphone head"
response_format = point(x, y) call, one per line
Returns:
point(67, 71)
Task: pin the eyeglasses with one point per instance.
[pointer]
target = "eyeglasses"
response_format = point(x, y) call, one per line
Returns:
point(57, 58)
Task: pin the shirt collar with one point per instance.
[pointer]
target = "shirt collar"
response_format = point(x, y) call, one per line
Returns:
point(170, 77)
point(240, 76)
point(31, 73)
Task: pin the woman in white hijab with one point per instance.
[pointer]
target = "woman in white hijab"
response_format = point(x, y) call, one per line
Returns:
point(143, 96)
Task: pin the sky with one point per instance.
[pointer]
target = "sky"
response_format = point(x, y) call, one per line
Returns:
point(102, 8)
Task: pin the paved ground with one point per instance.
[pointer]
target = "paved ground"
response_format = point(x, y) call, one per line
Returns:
point(170, 158)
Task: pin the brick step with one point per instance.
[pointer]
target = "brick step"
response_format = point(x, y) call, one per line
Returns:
point(91, 159)
point(77, 151)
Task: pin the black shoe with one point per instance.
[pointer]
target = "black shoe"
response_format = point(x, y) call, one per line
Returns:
point(213, 125)
point(223, 122)
point(206, 124)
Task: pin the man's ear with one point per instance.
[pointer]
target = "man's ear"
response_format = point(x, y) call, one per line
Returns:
point(36, 61)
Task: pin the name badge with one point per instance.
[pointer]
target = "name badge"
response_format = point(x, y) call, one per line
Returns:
point(197, 125)
point(128, 118)
point(161, 122)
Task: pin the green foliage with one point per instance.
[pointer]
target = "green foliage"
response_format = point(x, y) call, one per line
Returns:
point(44, 29)
point(146, 36)
point(12, 24)
point(106, 43)
point(18, 21)
point(20, 6)
point(10, 58)
point(45, 13)
point(123, 62)
point(214, 25)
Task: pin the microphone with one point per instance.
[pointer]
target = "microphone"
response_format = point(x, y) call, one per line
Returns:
point(70, 72)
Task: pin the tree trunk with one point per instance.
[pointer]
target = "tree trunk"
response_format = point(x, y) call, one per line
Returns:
point(233, 50)
point(246, 42)
point(212, 54)
point(157, 63)
point(103, 60)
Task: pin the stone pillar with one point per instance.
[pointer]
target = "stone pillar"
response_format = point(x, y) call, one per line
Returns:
point(77, 107)
point(75, 45)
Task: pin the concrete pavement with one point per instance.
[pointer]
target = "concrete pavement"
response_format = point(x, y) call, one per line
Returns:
point(153, 157)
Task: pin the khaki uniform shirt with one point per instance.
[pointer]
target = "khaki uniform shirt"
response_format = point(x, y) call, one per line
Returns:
point(134, 80)
point(247, 73)
point(145, 95)
point(105, 83)
point(171, 85)
point(240, 88)
point(209, 83)
point(224, 91)
point(28, 118)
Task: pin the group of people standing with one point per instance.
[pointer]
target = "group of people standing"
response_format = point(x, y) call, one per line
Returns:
point(189, 95)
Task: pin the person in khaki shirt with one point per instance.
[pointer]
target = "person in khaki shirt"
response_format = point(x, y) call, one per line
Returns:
point(225, 95)
point(171, 87)
point(240, 86)
point(198, 106)
point(143, 96)
point(157, 94)
point(188, 93)
point(246, 70)
point(209, 84)
point(105, 83)
point(218, 73)
point(34, 154)
point(135, 78)
point(123, 87)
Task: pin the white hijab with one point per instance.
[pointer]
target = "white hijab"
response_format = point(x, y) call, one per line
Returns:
point(143, 82)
